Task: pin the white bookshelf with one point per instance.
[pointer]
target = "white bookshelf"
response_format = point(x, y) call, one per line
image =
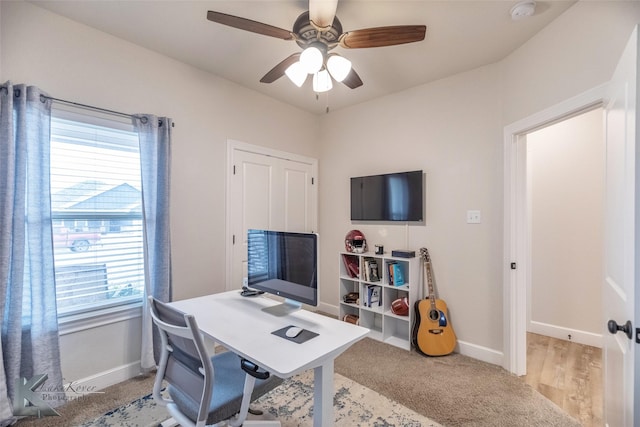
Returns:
point(382, 322)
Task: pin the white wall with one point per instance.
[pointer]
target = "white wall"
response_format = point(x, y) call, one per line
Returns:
point(74, 62)
point(449, 129)
point(576, 52)
point(566, 171)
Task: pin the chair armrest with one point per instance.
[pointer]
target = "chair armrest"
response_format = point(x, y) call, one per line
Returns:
point(253, 370)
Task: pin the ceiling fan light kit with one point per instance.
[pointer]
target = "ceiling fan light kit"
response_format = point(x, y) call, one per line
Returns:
point(297, 74)
point(322, 81)
point(339, 67)
point(312, 59)
point(318, 31)
point(336, 66)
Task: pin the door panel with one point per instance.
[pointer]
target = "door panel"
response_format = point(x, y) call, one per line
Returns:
point(620, 239)
point(256, 194)
point(296, 196)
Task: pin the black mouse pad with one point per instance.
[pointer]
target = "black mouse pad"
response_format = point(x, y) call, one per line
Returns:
point(305, 335)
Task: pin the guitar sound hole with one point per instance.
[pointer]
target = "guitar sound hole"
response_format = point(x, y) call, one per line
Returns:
point(434, 315)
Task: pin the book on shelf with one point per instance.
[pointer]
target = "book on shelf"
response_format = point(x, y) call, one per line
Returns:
point(351, 265)
point(390, 272)
point(396, 275)
point(371, 270)
point(373, 296)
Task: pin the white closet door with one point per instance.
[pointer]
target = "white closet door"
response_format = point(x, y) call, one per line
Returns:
point(267, 190)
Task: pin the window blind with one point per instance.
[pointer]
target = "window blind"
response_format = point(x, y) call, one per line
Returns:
point(96, 206)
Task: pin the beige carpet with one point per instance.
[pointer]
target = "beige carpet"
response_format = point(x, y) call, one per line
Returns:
point(453, 390)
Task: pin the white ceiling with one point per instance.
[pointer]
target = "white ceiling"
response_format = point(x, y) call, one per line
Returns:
point(461, 35)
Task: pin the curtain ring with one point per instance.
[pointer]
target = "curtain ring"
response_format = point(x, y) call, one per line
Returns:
point(16, 92)
point(4, 89)
point(43, 98)
point(144, 120)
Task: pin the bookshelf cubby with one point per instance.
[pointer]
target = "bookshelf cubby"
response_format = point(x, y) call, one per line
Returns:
point(377, 316)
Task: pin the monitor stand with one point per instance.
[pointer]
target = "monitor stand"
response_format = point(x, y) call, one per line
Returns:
point(288, 306)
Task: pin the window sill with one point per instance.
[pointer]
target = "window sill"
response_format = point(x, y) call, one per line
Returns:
point(101, 317)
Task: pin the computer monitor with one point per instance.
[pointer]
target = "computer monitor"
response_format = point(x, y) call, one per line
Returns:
point(285, 264)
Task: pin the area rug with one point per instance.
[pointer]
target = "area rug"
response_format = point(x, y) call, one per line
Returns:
point(292, 404)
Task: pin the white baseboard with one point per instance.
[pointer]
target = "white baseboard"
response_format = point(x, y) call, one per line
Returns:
point(481, 353)
point(328, 308)
point(104, 379)
point(468, 349)
point(562, 333)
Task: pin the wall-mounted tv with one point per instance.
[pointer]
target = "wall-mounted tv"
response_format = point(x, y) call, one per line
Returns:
point(388, 197)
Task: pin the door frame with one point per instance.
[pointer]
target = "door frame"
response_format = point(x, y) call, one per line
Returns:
point(516, 238)
point(232, 147)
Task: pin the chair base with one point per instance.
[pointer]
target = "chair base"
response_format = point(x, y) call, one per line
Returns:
point(171, 422)
point(261, 423)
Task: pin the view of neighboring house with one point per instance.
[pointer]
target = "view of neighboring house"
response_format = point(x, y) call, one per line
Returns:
point(96, 233)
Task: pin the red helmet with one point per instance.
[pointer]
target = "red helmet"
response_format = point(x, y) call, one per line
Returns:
point(355, 242)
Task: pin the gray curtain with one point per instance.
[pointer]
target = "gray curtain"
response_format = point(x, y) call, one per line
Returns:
point(155, 161)
point(29, 341)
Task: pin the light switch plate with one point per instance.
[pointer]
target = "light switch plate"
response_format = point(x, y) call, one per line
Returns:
point(473, 217)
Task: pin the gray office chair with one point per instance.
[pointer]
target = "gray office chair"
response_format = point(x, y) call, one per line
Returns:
point(203, 390)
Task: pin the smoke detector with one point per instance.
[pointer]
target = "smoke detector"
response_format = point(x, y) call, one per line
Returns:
point(523, 10)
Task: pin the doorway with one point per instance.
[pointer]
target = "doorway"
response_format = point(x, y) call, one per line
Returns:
point(517, 231)
point(565, 212)
point(565, 200)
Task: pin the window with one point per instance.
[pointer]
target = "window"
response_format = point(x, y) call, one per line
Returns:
point(96, 207)
point(258, 253)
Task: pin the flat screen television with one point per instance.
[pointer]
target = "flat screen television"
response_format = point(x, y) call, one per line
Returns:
point(388, 197)
point(284, 264)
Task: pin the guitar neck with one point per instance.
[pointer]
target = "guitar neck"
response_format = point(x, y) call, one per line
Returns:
point(424, 253)
point(432, 296)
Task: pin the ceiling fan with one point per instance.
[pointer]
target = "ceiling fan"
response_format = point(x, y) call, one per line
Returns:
point(317, 32)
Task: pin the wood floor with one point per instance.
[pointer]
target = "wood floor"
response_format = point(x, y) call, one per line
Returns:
point(567, 373)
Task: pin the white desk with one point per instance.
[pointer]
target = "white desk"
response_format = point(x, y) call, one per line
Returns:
point(239, 324)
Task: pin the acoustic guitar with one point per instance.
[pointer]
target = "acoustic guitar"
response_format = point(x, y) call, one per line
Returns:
point(432, 334)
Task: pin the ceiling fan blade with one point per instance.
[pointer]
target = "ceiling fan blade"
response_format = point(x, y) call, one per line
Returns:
point(278, 71)
point(382, 36)
point(321, 13)
point(249, 25)
point(352, 80)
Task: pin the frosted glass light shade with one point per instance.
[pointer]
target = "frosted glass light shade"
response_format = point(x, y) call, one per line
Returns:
point(339, 67)
point(311, 59)
point(322, 81)
point(296, 73)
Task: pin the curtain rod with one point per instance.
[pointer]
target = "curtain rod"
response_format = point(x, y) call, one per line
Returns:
point(91, 107)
